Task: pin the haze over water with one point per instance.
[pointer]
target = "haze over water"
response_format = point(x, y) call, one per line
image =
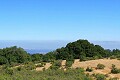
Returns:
point(47, 46)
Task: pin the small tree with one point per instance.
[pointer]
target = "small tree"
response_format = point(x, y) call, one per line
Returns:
point(114, 69)
point(100, 66)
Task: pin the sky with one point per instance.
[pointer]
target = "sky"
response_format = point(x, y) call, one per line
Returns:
point(60, 20)
point(66, 20)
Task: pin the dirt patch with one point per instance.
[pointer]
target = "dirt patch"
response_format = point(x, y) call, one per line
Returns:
point(63, 65)
point(47, 65)
point(39, 68)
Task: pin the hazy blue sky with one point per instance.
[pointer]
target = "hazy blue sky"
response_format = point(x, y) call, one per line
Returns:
point(60, 20)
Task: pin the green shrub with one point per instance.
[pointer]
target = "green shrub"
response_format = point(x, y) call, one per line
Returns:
point(114, 70)
point(100, 77)
point(9, 71)
point(3, 60)
point(56, 65)
point(100, 66)
point(29, 66)
point(81, 70)
point(118, 58)
point(13, 64)
point(69, 63)
point(89, 69)
point(113, 57)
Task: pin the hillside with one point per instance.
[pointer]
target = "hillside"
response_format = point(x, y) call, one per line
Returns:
point(80, 49)
point(15, 62)
point(93, 64)
point(84, 50)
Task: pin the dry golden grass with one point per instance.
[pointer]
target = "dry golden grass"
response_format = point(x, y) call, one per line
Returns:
point(93, 64)
point(47, 65)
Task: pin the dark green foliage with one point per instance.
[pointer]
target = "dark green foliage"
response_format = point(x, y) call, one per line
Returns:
point(118, 58)
point(49, 57)
point(29, 66)
point(113, 57)
point(80, 49)
point(9, 71)
point(56, 65)
point(69, 64)
point(100, 77)
point(84, 50)
point(116, 51)
point(19, 68)
point(114, 70)
point(3, 60)
point(37, 57)
point(12, 64)
point(89, 69)
point(14, 55)
point(100, 66)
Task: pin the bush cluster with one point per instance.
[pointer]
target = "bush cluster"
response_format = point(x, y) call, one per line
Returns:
point(89, 69)
point(100, 77)
point(114, 70)
point(100, 66)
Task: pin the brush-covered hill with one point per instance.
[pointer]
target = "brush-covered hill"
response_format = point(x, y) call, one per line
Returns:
point(84, 50)
point(80, 49)
point(13, 55)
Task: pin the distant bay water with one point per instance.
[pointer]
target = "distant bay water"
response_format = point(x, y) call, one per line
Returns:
point(40, 51)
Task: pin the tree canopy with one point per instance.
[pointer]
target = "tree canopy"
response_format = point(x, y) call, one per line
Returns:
point(83, 49)
point(14, 54)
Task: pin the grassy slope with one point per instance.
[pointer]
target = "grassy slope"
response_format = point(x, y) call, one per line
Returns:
point(72, 74)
